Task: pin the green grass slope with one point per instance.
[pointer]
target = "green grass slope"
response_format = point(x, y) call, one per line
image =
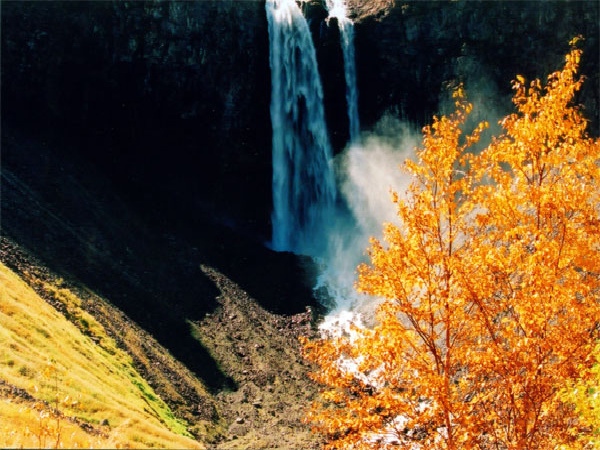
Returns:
point(75, 367)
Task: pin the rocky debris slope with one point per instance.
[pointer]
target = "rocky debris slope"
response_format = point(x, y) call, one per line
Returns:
point(261, 352)
point(139, 273)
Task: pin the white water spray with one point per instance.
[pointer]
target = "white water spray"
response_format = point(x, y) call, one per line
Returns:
point(303, 181)
point(367, 171)
point(337, 9)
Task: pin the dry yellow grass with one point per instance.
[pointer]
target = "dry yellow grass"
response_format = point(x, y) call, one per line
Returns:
point(25, 427)
point(48, 356)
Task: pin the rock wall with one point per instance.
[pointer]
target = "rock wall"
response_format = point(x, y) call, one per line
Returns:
point(408, 51)
point(171, 99)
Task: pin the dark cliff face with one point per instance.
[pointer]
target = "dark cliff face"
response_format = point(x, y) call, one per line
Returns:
point(170, 99)
point(408, 52)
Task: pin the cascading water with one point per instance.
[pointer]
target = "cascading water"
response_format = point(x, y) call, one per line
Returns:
point(337, 9)
point(303, 181)
point(306, 218)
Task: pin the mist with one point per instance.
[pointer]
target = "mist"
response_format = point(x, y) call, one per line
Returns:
point(367, 171)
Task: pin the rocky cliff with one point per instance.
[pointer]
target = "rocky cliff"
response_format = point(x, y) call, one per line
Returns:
point(171, 99)
point(169, 103)
point(407, 52)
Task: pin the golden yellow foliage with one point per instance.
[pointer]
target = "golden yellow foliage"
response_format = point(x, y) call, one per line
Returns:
point(584, 394)
point(491, 285)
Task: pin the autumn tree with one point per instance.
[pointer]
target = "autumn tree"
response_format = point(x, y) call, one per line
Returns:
point(491, 287)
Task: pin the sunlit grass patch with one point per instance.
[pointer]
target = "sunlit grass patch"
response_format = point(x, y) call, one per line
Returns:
point(51, 357)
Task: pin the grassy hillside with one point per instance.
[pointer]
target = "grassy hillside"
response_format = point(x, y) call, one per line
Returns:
point(50, 363)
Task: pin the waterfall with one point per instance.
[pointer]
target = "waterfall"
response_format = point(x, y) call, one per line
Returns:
point(305, 217)
point(303, 181)
point(337, 9)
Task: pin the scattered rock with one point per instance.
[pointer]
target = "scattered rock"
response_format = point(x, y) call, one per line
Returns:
point(238, 430)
